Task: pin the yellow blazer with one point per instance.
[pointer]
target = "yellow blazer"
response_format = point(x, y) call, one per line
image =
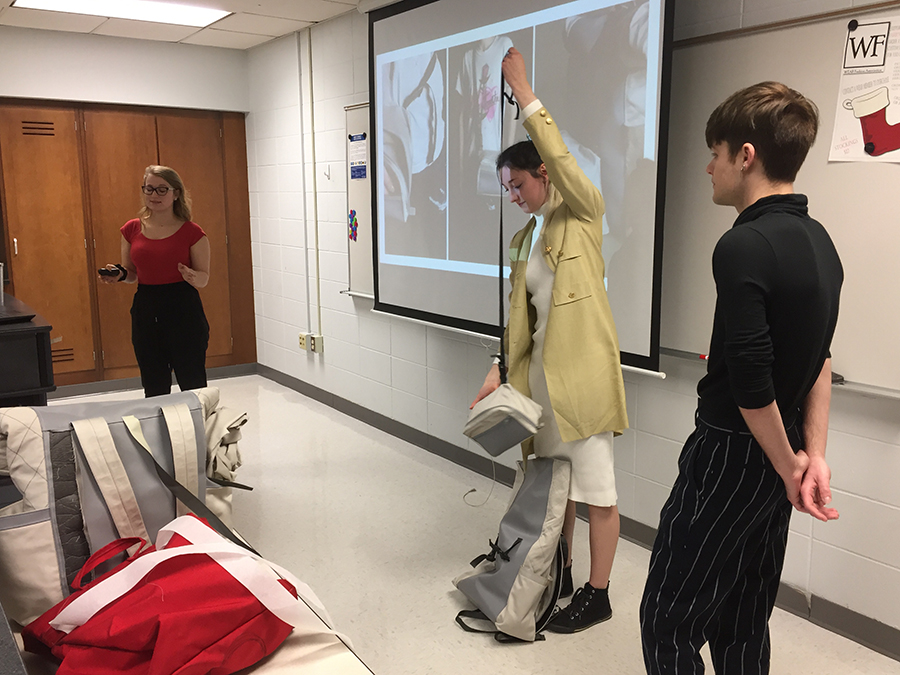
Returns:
point(581, 348)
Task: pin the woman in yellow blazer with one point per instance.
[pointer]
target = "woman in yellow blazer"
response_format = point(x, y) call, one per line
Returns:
point(561, 338)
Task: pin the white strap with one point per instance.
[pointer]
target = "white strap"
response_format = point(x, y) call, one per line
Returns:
point(184, 449)
point(255, 574)
point(197, 533)
point(109, 472)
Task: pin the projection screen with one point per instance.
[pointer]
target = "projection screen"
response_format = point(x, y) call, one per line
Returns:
point(601, 69)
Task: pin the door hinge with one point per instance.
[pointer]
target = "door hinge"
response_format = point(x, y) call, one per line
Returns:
point(95, 244)
point(94, 356)
point(85, 244)
point(220, 133)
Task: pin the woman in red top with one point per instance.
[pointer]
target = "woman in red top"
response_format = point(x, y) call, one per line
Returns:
point(168, 255)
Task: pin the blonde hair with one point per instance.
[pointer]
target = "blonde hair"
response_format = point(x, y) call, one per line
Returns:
point(182, 204)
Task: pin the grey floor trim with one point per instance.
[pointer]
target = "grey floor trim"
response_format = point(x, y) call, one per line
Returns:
point(792, 600)
point(873, 634)
point(127, 383)
point(637, 532)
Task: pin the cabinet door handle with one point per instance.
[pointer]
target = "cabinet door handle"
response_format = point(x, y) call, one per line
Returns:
point(15, 246)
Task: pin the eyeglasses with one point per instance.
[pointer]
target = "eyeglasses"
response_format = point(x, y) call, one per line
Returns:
point(161, 190)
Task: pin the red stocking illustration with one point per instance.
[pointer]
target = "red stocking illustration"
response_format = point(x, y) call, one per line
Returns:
point(879, 136)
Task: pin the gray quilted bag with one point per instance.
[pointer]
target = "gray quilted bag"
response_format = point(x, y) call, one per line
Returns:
point(71, 472)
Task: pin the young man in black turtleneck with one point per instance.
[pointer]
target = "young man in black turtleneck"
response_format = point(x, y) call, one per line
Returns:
point(762, 419)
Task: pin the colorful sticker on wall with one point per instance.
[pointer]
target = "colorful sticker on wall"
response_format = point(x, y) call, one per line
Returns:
point(353, 225)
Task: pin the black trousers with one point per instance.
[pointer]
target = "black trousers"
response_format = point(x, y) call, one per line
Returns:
point(169, 332)
point(717, 560)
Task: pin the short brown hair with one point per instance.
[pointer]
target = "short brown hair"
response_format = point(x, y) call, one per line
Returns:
point(778, 121)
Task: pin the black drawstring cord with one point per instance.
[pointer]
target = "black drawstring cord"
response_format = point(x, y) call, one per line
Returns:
point(495, 551)
point(511, 100)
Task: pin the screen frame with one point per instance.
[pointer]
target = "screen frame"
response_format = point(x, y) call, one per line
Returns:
point(646, 362)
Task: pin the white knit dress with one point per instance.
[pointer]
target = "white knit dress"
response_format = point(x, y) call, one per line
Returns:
point(593, 480)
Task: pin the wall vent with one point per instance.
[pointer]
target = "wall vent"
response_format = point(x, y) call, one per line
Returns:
point(62, 355)
point(38, 128)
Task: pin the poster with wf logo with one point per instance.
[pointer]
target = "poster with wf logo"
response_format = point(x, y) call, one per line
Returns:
point(867, 123)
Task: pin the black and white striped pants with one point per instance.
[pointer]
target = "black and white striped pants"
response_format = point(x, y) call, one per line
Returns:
point(717, 559)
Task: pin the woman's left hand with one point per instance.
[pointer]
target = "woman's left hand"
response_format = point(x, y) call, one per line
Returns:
point(187, 273)
point(516, 76)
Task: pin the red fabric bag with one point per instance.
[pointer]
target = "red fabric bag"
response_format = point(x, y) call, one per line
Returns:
point(194, 604)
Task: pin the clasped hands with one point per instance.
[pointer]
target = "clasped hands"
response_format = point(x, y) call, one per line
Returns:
point(808, 487)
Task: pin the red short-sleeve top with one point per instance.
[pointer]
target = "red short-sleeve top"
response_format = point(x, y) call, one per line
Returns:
point(156, 260)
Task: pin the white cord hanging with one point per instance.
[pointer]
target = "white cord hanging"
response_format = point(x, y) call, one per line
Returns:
point(493, 483)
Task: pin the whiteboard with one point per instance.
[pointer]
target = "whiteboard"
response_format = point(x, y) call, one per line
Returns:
point(359, 201)
point(858, 203)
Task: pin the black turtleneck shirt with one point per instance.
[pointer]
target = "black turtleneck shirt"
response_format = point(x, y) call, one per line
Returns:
point(778, 282)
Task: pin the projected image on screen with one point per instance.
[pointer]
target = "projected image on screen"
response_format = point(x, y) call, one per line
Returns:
point(413, 148)
point(475, 109)
point(441, 122)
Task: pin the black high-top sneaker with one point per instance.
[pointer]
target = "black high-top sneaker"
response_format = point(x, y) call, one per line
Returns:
point(589, 606)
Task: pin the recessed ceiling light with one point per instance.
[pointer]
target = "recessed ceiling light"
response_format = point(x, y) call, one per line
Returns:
point(139, 10)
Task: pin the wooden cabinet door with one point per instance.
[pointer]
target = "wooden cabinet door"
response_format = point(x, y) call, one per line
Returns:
point(119, 145)
point(42, 183)
point(192, 145)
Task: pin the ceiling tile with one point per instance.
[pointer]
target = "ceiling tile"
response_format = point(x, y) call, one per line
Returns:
point(259, 25)
point(210, 37)
point(38, 18)
point(260, 18)
point(301, 10)
point(145, 30)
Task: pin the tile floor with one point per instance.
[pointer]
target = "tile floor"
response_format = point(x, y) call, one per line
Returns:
point(378, 528)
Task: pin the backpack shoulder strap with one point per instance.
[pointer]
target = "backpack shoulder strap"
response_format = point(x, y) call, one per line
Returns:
point(181, 493)
point(184, 449)
point(478, 615)
point(106, 466)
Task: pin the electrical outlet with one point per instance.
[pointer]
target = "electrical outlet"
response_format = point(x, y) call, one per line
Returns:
point(316, 344)
point(303, 342)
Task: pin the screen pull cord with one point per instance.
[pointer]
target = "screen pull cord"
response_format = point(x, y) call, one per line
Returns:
point(503, 99)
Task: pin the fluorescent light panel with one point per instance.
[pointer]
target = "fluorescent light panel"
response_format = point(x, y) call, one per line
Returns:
point(138, 10)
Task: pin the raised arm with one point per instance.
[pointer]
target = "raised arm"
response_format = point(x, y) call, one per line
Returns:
point(581, 196)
